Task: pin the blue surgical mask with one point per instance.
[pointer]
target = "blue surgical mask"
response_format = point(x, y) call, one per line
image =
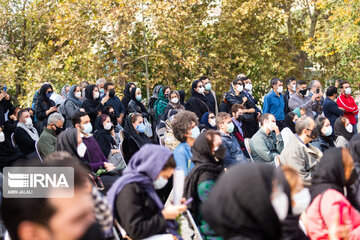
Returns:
point(195, 132)
point(160, 183)
point(101, 90)
point(48, 95)
point(138, 97)
point(87, 128)
point(140, 128)
point(208, 87)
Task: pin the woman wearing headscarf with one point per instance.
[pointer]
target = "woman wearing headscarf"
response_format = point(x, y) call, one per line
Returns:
point(72, 104)
point(92, 104)
point(105, 136)
point(331, 198)
point(344, 131)
point(247, 202)
point(135, 104)
point(133, 197)
point(65, 91)
point(208, 154)
point(325, 140)
point(134, 137)
point(44, 106)
point(207, 121)
point(174, 102)
point(290, 120)
point(127, 95)
point(182, 97)
point(161, 103)
point(197, 102)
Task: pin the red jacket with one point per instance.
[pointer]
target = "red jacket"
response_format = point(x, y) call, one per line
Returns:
point(318, 221)
point(347, 102)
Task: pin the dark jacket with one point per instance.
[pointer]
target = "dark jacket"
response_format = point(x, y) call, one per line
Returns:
point(286, 100)
point(323, 143)
point(104, 138)
point(134, 206)
point(43, 104)
point(233, 154)
point(24, 141)
point(197, 102)
point(4, 107)
point(117, 105)
point(331, 111)
point(8, 153)
point(92, 107)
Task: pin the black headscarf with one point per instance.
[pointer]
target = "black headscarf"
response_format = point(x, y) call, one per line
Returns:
point(207, 167)
point(103, 136)
point(240, 205)
point(112, 116)
point(140, 138)
point(340, 130)
point(89, 95)
point(289, 121)
point(196, 94)
point(329, 173)
point(42, 94)
point(182, 97)
point(133, 97)
point(68, 142)
point(127, 89)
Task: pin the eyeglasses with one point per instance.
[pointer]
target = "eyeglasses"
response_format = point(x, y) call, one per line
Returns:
point(311, 130)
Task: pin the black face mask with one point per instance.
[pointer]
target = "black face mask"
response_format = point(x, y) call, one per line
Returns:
point(112, 93)
point(112, 114)
point(220, 153)
point(58, 130)
point(315, 133)
point(353, 177)
point(241, 118)
point(303, 92)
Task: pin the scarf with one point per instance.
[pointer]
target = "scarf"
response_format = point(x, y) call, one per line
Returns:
point(161, 103)
point(176, 106)
point(72, 97)
point(340, 130)
point(30, 130)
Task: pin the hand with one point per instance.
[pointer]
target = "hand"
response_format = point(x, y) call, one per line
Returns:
point(53, 109)
point(342, 109)
point(109, 166)
point(171, 212)
point(277, 131)
point(13, 117)
point(7, 97)
point(337, 231)
point(119, 120)
point(2, 95)
point(105, 99)
point(314, 97)
point(244, 99)
point(115, 151)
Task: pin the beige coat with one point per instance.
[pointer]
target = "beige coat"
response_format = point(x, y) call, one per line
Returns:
point(303, 159)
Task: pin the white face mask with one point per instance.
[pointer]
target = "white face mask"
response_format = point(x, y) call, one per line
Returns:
point(280, 89)
point(175, 100)
point(294, 88)
point(87, 128)
point(78, 94)
point(349, 128)
point(327, 131)
point(108, 126)
point(96, 95)
point(302, 200)
point(160, 182)
point(81, 150)
point(2, 137)
point(280, 203)
point(201, 90)
point(240, 88)
point(348, 91)
point(212, 122)
point(248, 87)
point(28, 122)
point(195, 132)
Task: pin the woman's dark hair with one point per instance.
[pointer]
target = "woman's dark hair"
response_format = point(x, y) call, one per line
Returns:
point(291, 115)
point(169, 164)
point(331, 91)
point(238, 81)
point(320, 121)
point(134, 117)
point(210, 135)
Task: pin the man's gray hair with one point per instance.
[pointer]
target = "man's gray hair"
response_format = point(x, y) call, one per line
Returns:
point(303, 123)
point(100, 81)
point(54, 118)
point(313, 82)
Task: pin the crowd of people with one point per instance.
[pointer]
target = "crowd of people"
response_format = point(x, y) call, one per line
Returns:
point(286, 170)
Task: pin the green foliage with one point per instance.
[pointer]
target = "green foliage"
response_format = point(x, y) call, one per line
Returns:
point(67, 41)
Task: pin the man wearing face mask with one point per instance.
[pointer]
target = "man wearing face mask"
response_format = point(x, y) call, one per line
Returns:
point(25, 134)
point(48, 138)
point(347, 102)
point(233, 154)
point(100, 83)
point(266, 145)
point(274, 102)
point(210, 95)
point(300, 154)
point(90, 150)
point(114, 101)
point(291, 90)
point(240, 118)
point(300, 100)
